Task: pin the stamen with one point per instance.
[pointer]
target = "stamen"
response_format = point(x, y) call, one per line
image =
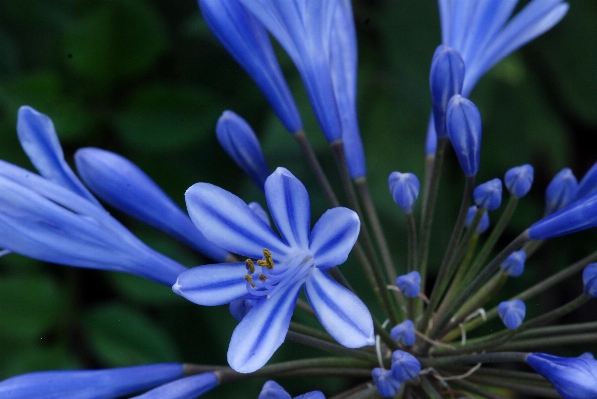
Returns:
point(249, 279)
point(250, 266)
point(262, 277)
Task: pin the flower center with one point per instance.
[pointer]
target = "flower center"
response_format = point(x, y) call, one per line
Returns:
point(293, 270)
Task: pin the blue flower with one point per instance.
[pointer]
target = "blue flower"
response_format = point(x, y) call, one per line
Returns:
point(560, 191)
point(589, 280)
point(240, 143)
point(489, 195)
point(588, 184)
point(55, 219)
point(247, 41)
point(273, 390)
point(463, 121)
point(404, 333)
point(404, 366)
point(484, 33)
point(405, 190)
point(127, 188)
point(513, 266)
point(512, 313)
point(297, 259)
point(409, 284)
point(386, 384)
point(519, 179)
point(572, 377)
point(89, 384)
point(184, 388)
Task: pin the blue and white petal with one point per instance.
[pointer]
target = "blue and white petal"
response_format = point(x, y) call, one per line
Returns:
point(344, 316)
point(184, 388)
point(212, 285)
point(228, 222)
point(127, 188)
point(262, 331)
point(39, 141)
point(288, 203)
point(333, 237)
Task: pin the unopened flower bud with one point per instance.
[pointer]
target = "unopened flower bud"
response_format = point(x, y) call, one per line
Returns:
point(404, 333)
point(405, 190)
point(463, 121)
point(589, 280)
point(470, 216)
point(410, 284)
point(512, 313)
point(489, 195)
point(561, 191)
point(519, 180)
point(404, 366)
point(513, 266)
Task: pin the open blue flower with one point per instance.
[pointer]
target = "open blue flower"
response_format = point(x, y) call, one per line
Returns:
point(300, 257)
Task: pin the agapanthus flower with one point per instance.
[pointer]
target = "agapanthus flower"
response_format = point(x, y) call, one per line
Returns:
point(572, 377)
point(273, 390)
point(298, 258)
point(519, 179)
point(512, 313)
point(185, 388)
point(89, 384)
point(54, 218)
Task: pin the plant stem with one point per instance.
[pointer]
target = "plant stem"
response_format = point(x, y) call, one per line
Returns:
point(549, 342)
point(493, 357)
point(474, 388)
point(329, 346)
point(429, 389)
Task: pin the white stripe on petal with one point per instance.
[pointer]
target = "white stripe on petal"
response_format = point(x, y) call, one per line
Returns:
point(211, 285)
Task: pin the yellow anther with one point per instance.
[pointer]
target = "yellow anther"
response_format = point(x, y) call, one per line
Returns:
point(248, 278)
point(266, 253)
point(250, 266)
point(262, 262)
point(262, 277)
point(268, 262)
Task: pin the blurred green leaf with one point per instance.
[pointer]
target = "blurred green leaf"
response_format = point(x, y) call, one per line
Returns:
point(142, 291)
point(121, 336)
point(165, 118)
point(30, 306)
point(114, 39)
point(36, 358)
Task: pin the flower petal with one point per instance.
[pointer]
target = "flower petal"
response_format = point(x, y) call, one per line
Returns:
point(184, 388)
point(127, 188)
point(341, 312)
point(39, 140)
point(227, 221)
point(333, 236)
point(262, 331)
point(212, 285)
point(288, 202)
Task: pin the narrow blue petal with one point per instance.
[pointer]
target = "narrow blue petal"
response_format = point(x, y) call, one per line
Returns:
point(579, 215)
point(288, 203)
point(588, 183)
point(259, 211)
point(89, 384)
point(572, 377)
point(184, 388)
point(127, 188)
point(311, 395)
point(38, 225)
point(561, 191)
point(212, 285)
point(262, 331)
point(344, 316)
point(228, 222)
point(247, 41)
point(303, 28)
point(333, 237)
point(240, 143)
point(39, 140)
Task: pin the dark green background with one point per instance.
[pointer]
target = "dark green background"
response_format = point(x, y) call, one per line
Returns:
point(146, 79)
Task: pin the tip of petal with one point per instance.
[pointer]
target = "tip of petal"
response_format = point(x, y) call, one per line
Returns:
point(176, 288)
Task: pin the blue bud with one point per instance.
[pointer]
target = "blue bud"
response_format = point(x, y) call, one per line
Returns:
point(247, 41)
point(589, 280)
point(409, 284)
point(572, 377)
point(89, 384)
point(561, 191)
point(578, 216)
point(489, 195)
point(404, 333)
point(445, 80)
point(405, 190)
point(588, 184)
point(404, 366)
point(240, 307)
point(483, 224)
point(513, 266)
point(185, 388)
point(431, 138)
point(512, 313)
point(386, 384)
point(240, 143)
point(519, 180)
point(273, 390)
point(463, 121)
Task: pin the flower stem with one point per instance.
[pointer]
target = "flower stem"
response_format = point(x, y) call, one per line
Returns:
point(429, 389)
point(550, 342)
point(411, 232)
point(493, 357)
point(448, 267)
point(474, 388)
point(522, 387)
point(329, 346)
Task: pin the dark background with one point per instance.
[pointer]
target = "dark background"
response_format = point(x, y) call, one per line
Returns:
point(146, 79)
